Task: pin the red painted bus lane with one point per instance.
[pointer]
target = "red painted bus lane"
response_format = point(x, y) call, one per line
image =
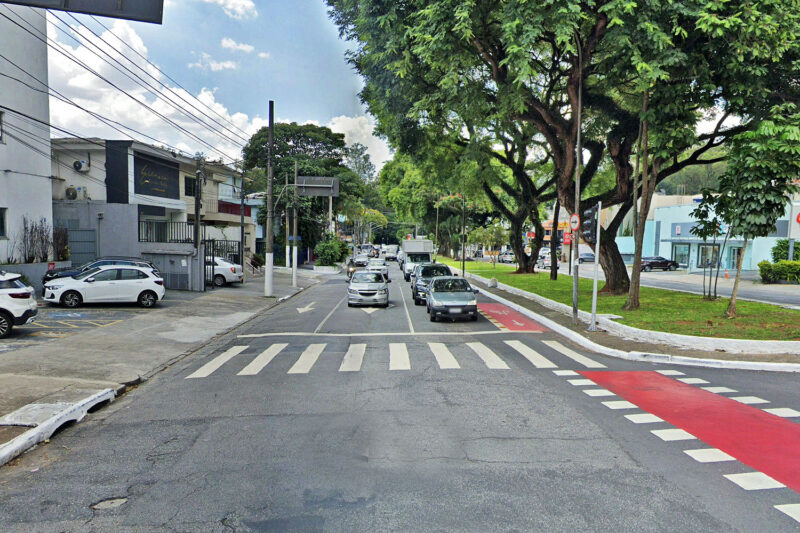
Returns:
point(509, 318)
point(763, 441)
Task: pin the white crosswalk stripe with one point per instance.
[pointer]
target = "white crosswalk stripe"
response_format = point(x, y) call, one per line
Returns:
point(535, 358)
point(258, 364)
point(490, 358)
point(575, 356)
point(398, 356)
point(208, 368)
point(353, 358)
point(443, 356)
point(307, 359)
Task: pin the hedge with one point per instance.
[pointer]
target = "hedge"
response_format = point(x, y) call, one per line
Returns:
point(780, 271)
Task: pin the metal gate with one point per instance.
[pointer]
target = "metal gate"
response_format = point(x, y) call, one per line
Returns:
point(82, 245)
point(174, 269)
point(230, 251)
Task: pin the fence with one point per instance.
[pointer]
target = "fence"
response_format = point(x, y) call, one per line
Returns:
point(227, 250)
point(164, 231)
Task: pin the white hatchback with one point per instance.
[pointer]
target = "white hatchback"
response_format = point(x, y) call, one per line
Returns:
point(17, 303)
point(107, 284)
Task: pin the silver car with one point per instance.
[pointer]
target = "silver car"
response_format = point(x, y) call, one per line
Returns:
point(378, 265)
point(451, 297)
point(368, 288)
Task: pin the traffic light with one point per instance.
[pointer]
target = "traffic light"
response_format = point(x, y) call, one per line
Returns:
point(589, 225)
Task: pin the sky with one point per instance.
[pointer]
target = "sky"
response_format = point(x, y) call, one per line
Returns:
point(233, 55)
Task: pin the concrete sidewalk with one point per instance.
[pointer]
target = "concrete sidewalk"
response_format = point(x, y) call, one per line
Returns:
point(47, 385)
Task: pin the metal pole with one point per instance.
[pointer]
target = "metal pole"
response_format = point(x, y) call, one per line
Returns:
point(241, 222)
point(294, 229)
point(330, 211)
point(593, 325)
point(463, 234)
point(286, 188)
point(198, 193)
point(577, 184)
point(268, 253)
point(791, 249)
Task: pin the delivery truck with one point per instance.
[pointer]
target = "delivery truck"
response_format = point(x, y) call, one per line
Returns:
point(415, 251)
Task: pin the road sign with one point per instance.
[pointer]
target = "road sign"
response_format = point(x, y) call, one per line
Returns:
point(141, 10)
point(568, 238)
point(574, 221)
point(794, 222)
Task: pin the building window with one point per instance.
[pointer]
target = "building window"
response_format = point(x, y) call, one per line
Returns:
point(3, 222)
point(680, 254)
point(188, 186)
point(707, 255)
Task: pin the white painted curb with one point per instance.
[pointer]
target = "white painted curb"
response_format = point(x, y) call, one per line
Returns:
point(638, 356)
point(74, 413)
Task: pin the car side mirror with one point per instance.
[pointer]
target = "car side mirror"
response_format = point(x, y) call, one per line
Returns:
point(89, 280)
point(476, 291)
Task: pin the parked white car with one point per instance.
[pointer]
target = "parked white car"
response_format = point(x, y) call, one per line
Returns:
point(224, 272)
point(107, 284)
point(17, 303)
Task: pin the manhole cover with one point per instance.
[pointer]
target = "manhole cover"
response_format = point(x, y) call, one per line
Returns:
point(110, 503)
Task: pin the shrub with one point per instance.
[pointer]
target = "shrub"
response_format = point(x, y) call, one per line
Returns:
point(328, 252)
point(780, 271)
point(767, 272)
point(257, 260)
point(780, 252)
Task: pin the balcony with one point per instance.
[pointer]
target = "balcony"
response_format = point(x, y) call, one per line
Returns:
point(164, 231)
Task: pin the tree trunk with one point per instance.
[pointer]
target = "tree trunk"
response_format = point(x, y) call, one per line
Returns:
point(719, 261)
point(616, 273)
point(640, 218)
point(519, 247)
point(731, 312)
point(554, 243)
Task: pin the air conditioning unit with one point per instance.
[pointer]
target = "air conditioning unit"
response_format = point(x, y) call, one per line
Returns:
point(81, 166)
point(71, 193)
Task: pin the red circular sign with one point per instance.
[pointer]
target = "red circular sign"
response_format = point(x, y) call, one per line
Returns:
point(574, 222)
point(798, 218)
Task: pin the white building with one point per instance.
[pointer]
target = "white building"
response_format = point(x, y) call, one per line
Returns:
point(25, 189)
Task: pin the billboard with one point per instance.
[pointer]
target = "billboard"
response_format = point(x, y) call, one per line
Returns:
point(154, 176)
point(141, 10)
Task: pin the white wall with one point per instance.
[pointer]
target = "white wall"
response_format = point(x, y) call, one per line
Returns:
point(25, 171)
point(93, 182)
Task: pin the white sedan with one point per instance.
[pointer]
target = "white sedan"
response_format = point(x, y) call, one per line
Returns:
point(107, 284)
point(224, 271)
point(378, 265)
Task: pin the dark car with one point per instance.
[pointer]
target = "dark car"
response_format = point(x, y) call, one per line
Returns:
point(452, 297)
point(649, 263)
point(102, 261)
point(423, 277)
point(588, 257)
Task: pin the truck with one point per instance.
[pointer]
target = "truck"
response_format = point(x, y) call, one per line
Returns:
point(391, 252)
point(415, 251)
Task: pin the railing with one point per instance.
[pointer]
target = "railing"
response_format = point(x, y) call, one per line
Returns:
point(232, 209)
point(164, 231)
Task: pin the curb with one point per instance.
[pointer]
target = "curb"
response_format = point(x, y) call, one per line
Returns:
point(74, 413)
point(641, 356)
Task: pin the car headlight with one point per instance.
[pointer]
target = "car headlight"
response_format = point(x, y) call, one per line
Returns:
point(53, 287)
point(383, 291)
point(472, 302)
point(352, 291)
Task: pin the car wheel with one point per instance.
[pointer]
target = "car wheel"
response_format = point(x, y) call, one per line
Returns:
point(433, 316)
point(407, 277)
point(647, 268)
point(474, 318)
point(6, 325)
point(219, 280)
point(673, 268)
point(580, 261)
point(385, 305)
point(71, 299)
point(147, 299)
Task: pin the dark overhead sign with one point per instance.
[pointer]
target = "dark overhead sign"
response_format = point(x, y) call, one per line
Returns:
point(141, 10)
point(317, 186)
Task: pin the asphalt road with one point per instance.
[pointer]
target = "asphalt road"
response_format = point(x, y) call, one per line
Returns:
point(319, 417)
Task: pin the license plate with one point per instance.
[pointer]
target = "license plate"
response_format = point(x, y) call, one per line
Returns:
point(455, 310)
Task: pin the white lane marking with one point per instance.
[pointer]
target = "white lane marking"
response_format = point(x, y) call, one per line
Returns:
point(263, 359)
point(492, 361)
point(785, 412)
point(749, 400)
point(326, 316)
point(309, 307)
point(565, 373)
point(580, 382)
point(405, 306)
point(384, 334)
point(670, 373)
point(598, 392)
point(644, 418)
point(708, 455)
point(443, 356)
point(575, 356)
point(307, 359)
point(619, 404)
point(790, 509)
point(368, 310)
point(754, 481)
point(398, 356)
point(353, 358)
point(693, 381)
point(207, 369)
point(718, 390)
point(669, 435)
point(535, 358)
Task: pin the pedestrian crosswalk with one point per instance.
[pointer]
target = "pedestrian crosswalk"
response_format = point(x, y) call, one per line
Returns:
point(302, 358)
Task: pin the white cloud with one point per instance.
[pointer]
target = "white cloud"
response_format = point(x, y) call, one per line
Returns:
point(263, 55)
point(237, 9)
point(206, 62)
point(359, 129)
point(230, 44)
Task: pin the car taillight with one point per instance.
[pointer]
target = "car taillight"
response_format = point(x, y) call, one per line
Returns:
point(233, 270)
point(22, 295)
point(159, 281)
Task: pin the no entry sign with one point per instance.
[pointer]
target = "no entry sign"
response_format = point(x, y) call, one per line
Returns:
point(574, 221)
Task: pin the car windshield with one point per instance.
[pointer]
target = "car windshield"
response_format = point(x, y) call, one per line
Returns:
point(377, 262)
point(90, 272)
point(433, 271)
point(367, 277)
point(452, 285)
point(417, 258)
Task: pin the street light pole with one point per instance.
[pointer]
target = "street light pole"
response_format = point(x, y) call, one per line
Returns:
point(575, 267)
point(268, 255)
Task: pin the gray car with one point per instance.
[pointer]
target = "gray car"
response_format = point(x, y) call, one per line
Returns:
point(423, 275)
point(452, 297)
point(368, 288)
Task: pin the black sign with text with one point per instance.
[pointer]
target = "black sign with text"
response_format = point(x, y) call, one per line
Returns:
point(154, 176)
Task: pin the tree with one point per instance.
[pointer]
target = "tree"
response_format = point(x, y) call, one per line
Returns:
point(490, 237)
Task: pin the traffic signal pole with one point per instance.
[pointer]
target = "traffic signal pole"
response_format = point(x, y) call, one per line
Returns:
point(593, 324)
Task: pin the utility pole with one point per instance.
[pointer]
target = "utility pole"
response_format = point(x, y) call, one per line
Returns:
point(577, 209)
point(294, 228)
point(198, 196)
point(286, 190)
point(241, 222)
point(463, 234)
point(268, 255)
